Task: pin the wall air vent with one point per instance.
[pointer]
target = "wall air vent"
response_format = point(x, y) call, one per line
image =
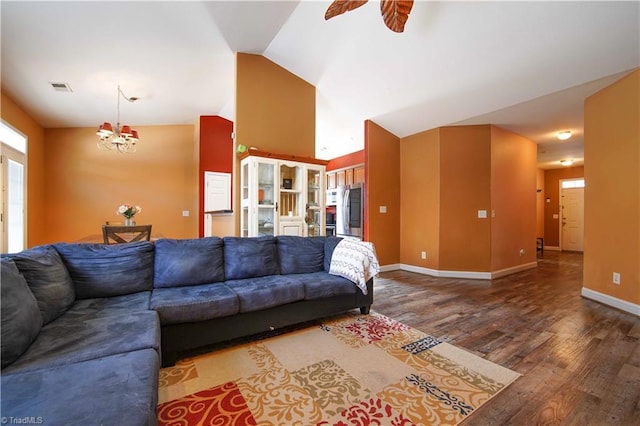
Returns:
point(61, 87)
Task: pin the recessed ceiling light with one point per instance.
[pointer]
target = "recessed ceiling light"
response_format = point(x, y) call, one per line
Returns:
point(564, 135)
point(566, 162)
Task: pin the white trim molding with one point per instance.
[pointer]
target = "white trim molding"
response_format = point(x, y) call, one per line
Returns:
point(614, 302)
point(473, 275)
point(552, 248)
point(388, 268)
point(513, 269)
point(446, 274)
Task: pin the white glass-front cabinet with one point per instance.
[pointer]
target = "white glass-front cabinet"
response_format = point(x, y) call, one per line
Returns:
point(281, 197)
point(315, 205)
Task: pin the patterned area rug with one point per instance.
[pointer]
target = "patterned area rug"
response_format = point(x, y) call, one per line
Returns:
point(352, 370)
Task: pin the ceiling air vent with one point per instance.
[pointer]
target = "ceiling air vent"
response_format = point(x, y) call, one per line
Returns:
point(61, 87)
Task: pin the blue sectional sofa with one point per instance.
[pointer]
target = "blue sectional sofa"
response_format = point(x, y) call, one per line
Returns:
point(86, 327)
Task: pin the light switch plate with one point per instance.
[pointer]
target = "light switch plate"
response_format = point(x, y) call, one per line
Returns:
point(383, 209)
point(482, 214)
point(185, 213)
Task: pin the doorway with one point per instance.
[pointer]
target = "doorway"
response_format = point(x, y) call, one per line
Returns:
point(572, 215)
point(13, 183)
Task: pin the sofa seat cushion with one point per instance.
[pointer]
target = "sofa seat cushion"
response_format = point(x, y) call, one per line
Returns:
point(72, 338)
point(250, 257)
point(194, 303)
point(113, 390)
point(100, 270)
point(21, 320)
point(322, 284)
point(48, 280)
point(117, 305)
point(266, 292)
point(188, 262)
point(299, 255)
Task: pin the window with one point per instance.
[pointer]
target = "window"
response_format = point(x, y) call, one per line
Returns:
point(574, 183)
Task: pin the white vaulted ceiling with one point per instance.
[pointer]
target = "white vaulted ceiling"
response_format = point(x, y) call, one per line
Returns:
point(525, 66)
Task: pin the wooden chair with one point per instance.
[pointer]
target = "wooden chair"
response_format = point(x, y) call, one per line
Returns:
point(116, 234)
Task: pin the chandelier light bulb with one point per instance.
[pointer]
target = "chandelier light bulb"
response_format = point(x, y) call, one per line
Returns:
point(121, 138)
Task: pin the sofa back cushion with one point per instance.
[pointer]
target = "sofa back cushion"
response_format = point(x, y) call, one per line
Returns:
point(300, 255)
point(48, 279)
point(188, 262)
point(21, 320)
point(99, 270)
point(250, 257)
point(329, 246)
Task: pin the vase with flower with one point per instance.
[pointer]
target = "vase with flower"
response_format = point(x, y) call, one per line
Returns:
point(128, 211)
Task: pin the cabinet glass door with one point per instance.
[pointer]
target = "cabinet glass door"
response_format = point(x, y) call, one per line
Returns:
point(266, 198)
point(244, 200)
point(314, 212)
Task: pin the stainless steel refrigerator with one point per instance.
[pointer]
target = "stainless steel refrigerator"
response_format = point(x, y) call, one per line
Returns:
point(350, 211)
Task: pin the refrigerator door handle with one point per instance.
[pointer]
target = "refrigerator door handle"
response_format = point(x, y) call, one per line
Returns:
point(346, 216)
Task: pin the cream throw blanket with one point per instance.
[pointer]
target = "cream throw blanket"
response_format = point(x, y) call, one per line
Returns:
point(355, 260)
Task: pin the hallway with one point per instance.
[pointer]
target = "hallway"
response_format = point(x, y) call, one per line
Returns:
point(580, 360)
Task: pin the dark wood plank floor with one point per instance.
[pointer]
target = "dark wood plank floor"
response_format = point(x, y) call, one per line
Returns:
point(580, 360)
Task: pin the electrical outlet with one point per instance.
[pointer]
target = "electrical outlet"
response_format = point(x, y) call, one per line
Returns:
point(423, 255)
point(522, 252)
point(616, 278)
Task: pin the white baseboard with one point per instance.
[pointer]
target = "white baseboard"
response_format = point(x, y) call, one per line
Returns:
point(392, 267)
point(513, 269)
point(446, 274)
point(614, 302)
point(552, 248)
point(458, 274)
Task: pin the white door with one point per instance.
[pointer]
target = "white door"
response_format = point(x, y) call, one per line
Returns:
point(217, 197)
point(572, 226)
point(217, 194)
point(13, 229)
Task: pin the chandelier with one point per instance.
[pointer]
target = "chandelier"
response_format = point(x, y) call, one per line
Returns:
point(122, 139)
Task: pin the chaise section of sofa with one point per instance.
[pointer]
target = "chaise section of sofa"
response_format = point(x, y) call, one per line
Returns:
point(95, 356)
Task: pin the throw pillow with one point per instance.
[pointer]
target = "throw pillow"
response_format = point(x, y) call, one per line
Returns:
point(21, 320)
point(48, 280)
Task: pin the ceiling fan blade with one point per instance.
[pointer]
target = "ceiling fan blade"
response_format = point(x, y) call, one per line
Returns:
point(395, 13)
point(338, 7)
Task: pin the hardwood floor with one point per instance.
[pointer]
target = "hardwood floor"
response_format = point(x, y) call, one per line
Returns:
point(580, 360)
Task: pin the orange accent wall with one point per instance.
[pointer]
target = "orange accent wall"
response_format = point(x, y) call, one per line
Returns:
point(275, 109)
point(216, 155)
point(15, 116)
point(612, 191)
point(84, 186)
point(420, 199)
point(465, 188)
point(382, 188)
point(447, 175)
point(275, 112)
point(513, 199)
point(552, 180)
point(348, 160)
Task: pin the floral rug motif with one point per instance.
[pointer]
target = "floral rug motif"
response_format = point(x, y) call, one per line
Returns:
point(350, 370)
